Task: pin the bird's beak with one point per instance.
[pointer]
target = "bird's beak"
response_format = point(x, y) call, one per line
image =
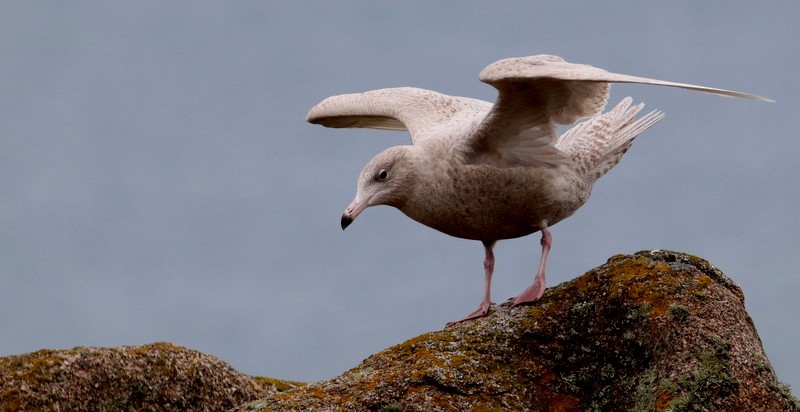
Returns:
point(352, 211)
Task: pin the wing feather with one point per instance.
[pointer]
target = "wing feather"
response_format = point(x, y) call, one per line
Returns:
point(402, 108)
point(538, 92)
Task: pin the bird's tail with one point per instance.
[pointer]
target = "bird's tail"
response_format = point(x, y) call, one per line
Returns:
point(597, 145)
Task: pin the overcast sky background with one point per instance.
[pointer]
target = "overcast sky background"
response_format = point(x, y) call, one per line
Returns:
point(158, 181)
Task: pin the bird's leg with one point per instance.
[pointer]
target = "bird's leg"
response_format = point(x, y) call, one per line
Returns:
point(488, 267)
point(536, 289)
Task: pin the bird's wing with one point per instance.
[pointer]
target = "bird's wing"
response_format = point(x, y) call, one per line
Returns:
point(403, 108)
point(538, 92)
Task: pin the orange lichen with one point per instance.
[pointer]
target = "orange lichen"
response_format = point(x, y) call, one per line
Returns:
point(663, 399)
point(563, 403)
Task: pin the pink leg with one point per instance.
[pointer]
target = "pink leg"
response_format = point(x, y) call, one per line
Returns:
point(536, 289)
point(486, 303)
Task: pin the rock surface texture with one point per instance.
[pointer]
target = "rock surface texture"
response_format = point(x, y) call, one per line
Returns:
point(654, 331)
point(155, 377)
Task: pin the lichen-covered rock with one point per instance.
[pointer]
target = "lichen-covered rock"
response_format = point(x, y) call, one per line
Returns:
point(155, 377)
point(654, 331)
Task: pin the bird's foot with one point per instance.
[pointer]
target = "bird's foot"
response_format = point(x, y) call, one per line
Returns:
point(531, 294)
point(482, 310)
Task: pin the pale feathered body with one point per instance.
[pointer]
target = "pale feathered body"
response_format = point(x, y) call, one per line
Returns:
point(456, 199)
point(486, 171)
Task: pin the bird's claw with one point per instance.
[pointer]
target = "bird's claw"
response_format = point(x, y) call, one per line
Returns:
point(531, 294)
point(482, 310)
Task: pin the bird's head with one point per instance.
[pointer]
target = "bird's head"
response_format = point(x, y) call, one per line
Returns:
point(386, 180)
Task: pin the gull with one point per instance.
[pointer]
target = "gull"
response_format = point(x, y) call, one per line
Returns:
point(488, 172)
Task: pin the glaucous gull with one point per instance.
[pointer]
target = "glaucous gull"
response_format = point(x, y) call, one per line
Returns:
point(485, 171)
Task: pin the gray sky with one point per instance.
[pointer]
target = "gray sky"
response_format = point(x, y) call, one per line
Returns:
point(158, 181)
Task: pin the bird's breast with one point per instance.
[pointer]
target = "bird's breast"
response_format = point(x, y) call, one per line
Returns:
point(487, 203)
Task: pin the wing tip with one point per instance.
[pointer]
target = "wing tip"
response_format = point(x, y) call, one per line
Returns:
point(734, 94)
point(756, 97)
point(313, 117)
point(319, 112)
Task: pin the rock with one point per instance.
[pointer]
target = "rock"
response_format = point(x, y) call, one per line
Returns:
point(653, 331)
point(155, 377)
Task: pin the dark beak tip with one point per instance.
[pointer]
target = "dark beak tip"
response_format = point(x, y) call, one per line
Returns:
point(346, 221)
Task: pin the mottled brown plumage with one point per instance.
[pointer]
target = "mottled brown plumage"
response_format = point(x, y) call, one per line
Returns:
point(486, 171)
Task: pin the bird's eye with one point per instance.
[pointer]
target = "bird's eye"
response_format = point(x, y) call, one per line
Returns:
point(382, 175)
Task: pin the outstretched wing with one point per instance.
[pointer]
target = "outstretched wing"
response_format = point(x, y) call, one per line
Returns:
point(403, 108)
point(538, 92)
